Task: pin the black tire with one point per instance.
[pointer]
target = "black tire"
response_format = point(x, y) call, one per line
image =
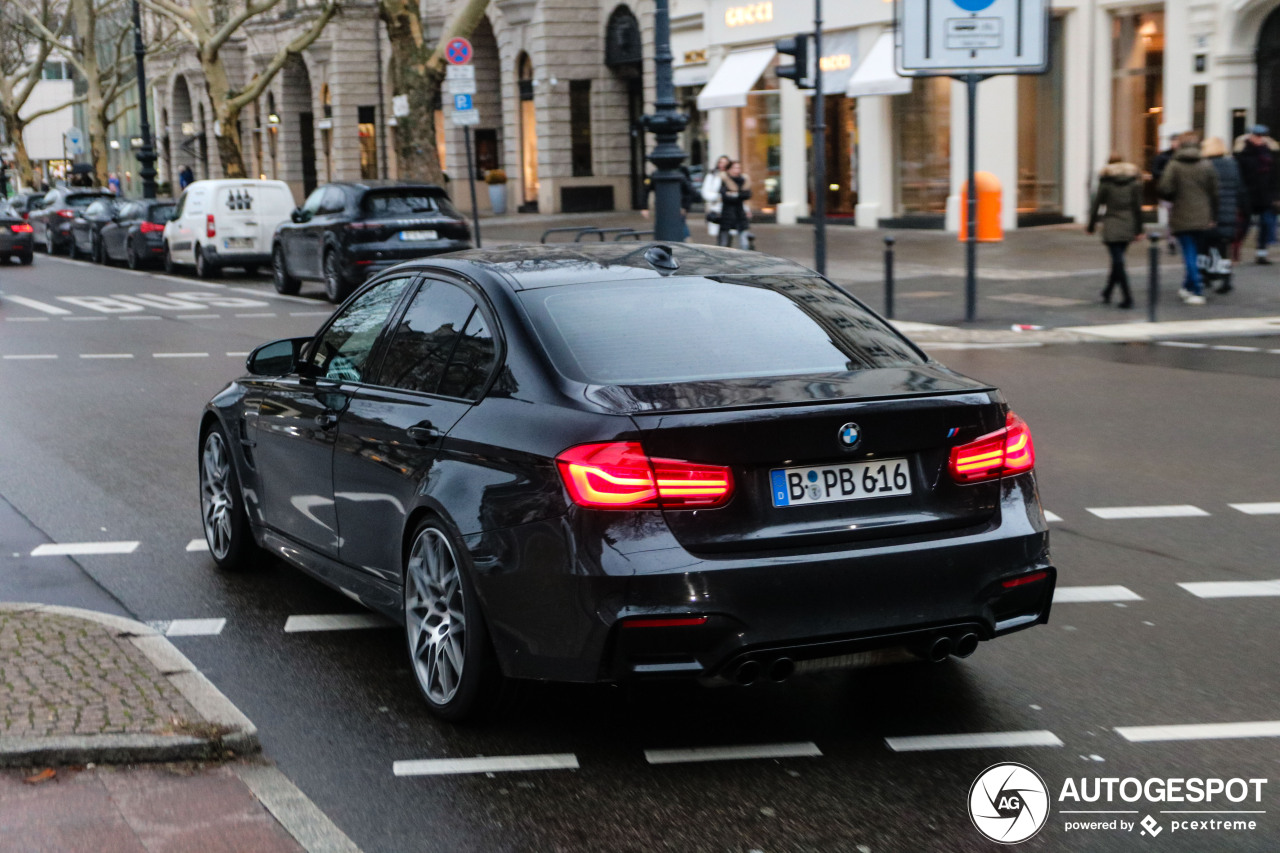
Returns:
point(100, 253)
point(285, 283)
point(131, 258)
point(251, 270)
point(336, 287)
point(50, 246)
point(428, 609)
point(204, 269)
point(25, 258)
point(169, 266)
point(73, 252)
point(222, 514)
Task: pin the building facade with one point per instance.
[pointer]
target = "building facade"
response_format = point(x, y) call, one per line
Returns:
point(561, 85)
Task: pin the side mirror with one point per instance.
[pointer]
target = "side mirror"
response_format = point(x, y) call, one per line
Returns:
point(278, 358)
point(298, 216)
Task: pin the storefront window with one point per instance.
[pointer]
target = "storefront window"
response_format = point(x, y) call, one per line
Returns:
point(1137, 86)
point(922, 129)
point(528, 134)
point(760, 135)
point(694, 137)
point(841, 154)
point(368, 142)
point(580, 127)
point(1040, 134)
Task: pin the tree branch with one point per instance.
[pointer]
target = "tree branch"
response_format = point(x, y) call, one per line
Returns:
point(250, 10)
point(251, 93)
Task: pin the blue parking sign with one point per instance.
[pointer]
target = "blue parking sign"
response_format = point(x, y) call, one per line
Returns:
point(462, 102)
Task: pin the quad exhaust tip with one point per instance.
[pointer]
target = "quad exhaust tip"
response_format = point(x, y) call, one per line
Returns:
point(747, 672)
point(966, 645)
point(750, 671)
point(940, 649)
point(781, 669)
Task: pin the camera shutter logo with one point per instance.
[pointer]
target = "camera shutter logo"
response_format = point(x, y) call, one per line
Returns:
point(1009, 803)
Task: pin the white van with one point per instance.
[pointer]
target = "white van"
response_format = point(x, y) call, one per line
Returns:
point(226, 223)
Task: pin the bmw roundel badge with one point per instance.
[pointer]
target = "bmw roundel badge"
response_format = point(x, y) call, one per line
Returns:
point(850, 435)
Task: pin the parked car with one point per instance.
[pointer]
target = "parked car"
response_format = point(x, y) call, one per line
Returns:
point(346, 232)
point(136, 234)
point(605, 463)
point(86, 226)
point(226, 223)
point(15, 235)
point(27, 201)
point(51, 223)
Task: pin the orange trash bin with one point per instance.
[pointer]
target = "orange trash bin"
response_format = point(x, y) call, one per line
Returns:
point(989, 229)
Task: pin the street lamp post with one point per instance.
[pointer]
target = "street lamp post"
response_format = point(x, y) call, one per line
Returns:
point(665, 124)
point(147, 153)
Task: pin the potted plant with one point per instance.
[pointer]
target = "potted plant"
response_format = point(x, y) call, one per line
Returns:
point(497, 181)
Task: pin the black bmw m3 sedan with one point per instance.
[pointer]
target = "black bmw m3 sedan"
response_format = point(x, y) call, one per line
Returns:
point(602, 463)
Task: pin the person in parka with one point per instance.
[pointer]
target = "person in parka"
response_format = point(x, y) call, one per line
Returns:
point(1118, 203)
point(1258, 156)
point(1192, 185)
point(1233, 201)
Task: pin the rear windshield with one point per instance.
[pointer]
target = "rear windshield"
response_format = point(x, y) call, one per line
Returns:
point(80, 202)
point(699, 329)
point(161, 213)
point(406, 203)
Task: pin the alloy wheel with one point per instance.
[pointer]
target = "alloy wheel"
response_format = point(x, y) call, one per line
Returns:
point(131, 255)
point(216, 500)
point(435, 616)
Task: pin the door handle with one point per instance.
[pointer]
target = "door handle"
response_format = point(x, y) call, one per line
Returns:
point(327, 419)
point(424, 433)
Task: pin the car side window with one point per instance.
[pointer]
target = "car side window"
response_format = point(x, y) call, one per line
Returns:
point(473, 360)
point(195, 203)
point(312, 205)
point(343, 349)
point(424, 341)
point(335, 201)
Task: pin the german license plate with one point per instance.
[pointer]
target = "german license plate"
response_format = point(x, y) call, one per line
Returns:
point(238, 243)
point(820, 484)
point(417, 235)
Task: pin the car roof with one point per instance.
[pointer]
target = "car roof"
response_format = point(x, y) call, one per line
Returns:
point(528, 267)
point(365, 186)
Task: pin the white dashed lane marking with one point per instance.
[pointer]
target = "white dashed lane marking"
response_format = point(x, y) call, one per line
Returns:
point(77, 549)
point(1093, 594)
point(39, 357)
point(1051, 516)
point(25, 319)
point(335, 622)
point(1200, 731)
point(1233, 589)
point(1272, 508)
point(180, 355)
point(494, 764)
point(189, 627)
point(976, 740)
point(1124, 512)
point(106, 355)
point(806, 749)
point(197, 545)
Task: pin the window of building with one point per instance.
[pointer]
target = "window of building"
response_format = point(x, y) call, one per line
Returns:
point(528, 134)
point(1137, 87)
point(326, 133)
point(368, 131)
point(55, 69)
point(1040, 133)
point(922, 130)
point(580, 127)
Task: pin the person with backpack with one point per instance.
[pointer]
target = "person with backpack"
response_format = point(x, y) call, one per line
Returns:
point(1118, 205)
point(1191, 185)
point(1232, 201)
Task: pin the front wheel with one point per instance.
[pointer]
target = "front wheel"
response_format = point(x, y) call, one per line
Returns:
point(100, 252)
point(131, 255)
point(204, 269)
point(449, 652)
point(284, 283)
point(226, 525)
point(72, 251)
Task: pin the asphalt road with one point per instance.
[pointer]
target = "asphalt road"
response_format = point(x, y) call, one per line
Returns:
point(103, 374)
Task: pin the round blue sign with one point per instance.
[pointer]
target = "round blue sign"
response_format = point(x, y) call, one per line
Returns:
point(973, 5)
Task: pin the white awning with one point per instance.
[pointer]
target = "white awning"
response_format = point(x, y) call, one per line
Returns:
point(734, 78)
point(876, 75)
point(690, 75)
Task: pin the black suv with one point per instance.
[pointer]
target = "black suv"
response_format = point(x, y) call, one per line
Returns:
point(135, 234)
point(87, 225)
point(344, 233)
point(51, 224)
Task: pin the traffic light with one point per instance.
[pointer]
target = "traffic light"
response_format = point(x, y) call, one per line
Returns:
point(798, 47)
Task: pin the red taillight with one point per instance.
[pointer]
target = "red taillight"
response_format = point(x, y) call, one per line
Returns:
point(67, 214)
point(210, 230)
point(999, 454)
point(20, 228)
point(155, 227)
point(1025, 579)
point(678, 622)
point(618, 475)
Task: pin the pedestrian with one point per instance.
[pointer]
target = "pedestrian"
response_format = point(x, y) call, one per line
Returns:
point(1233, 200)
point(711, 184)
point(1119, 201)
point(185, 177)
point(1258, 156)
point(1158, 164)
point(4, 179)
point(113, 183)
point(1191, 185)
point(735, 216)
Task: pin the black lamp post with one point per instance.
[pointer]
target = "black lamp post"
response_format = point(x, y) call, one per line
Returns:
point(665, 124)
point(147, 153)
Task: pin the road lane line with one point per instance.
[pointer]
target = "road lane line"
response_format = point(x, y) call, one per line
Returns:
point(260, 293)
point(335, 622)
point(139, 317)
point(1088, 594)
point(39, 306)
point(495, 764)
point(106, 355)
point(76, 549)
point(1124, 512)
point(1272, 508)
point(238, 355)
point(1051, 516)
point(197, 316)
point(1226, 348)
point(197, 545)
point(262, 314)
point(1199, 731)
point(25, 319)
point(83, 319)
point(194, 627)
point(976, 740)
point(179, 355)
point(1182, 344)
point(1233, 589)
point(310, 313)
point(27, 357)
point(806, 749)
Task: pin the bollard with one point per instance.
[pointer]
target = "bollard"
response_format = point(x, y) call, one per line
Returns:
point(1153, 277)
point(888, 276)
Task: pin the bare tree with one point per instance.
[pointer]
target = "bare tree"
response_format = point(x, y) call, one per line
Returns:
point(417, 70)
point(23, 54)
point(208, 25)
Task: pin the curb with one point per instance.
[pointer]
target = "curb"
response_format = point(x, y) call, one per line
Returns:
point(235, 731)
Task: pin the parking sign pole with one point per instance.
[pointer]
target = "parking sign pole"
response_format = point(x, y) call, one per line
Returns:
point(819, 149)
point(471, 178)
point(971, 242)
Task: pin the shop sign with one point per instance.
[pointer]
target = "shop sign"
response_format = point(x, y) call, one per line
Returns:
point(695, 57)
point(748, 14)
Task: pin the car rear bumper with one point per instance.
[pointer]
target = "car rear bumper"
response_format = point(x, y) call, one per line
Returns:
point(816, 606)
point(15, 243)
point(234, 258)
point(360, 264)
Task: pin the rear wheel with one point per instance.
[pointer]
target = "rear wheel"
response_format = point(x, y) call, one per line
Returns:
point(169, 266)
point(25, 258)
point(449, 651)
point(280, 277)
point(204, 268)
point(131, 255)
point(336, 287)
point(72, 252)
point(100, 252)
point(226, 525)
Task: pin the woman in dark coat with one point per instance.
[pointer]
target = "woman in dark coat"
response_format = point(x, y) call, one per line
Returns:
point(1119, 200)
point(1233, 201)
point(735, 189)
